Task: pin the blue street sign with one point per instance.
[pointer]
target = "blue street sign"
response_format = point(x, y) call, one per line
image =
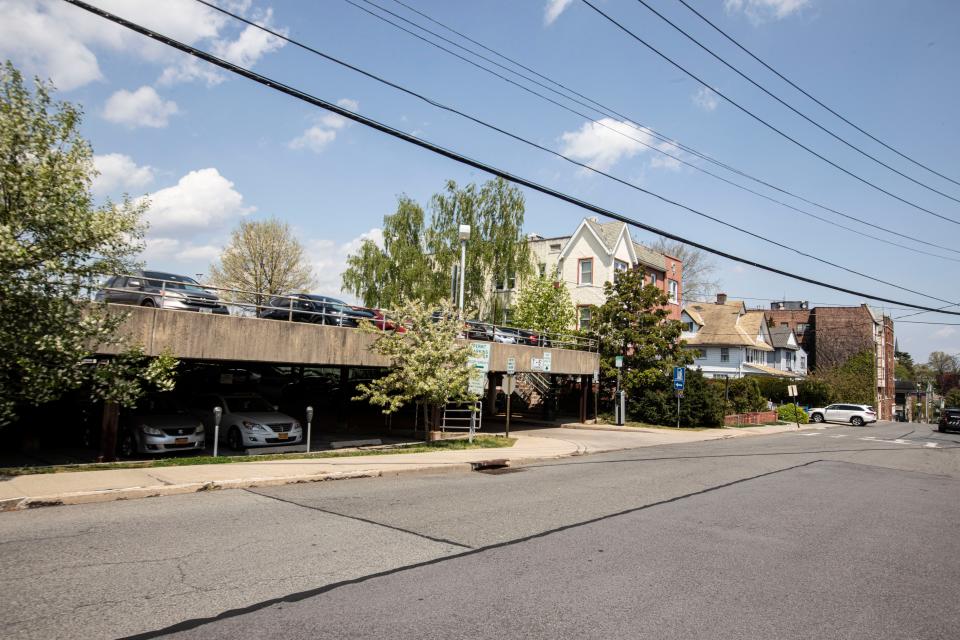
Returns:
point(679, 377)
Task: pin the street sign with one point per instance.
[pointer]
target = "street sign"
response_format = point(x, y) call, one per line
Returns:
point(596, 376)
point(479, 364)
point(792, 391)
point(679, 377)
point(508, 384)
point(511, 365)
point(619, 362)
point(547, 361)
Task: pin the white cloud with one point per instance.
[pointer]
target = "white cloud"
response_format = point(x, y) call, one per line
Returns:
point(118, 171)
point(553, 9)
point(759, 11)
point(140, 108)
point(604, 143)
point(944, 332)
point(189, 70)
point(320, 135)
point(252, 44)
point(661, 161)
point(706, 99)
point(330, 259)
point(202, 200)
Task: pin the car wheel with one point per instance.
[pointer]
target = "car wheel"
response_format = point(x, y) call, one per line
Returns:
point(128, 445)
point(817, 417)
point(856, 421)
point(148, 303)
point(234, 439)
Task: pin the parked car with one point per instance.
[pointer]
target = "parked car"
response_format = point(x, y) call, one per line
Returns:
point(248, 420)
point(856, 414)
point(310, 307)
point(476, 330)
point(159, 289)
point(949, 419)
point(159, 425)
point(520, 336)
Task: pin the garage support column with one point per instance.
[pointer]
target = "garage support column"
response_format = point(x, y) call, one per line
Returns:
point(583, 398)
point(490, 406)
point(108, 432)
point(343, 397)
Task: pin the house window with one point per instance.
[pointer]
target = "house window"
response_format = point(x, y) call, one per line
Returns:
point(691, 327)
point(674, 291)
point(508, 284)
point(653, 278)
point(584, 315)
point(542, 268)
point(724, 354)
point(801, 328)
point(586, 271)
point(618, 266)
point(701, 353)
point(803, 362)
point(555, 248)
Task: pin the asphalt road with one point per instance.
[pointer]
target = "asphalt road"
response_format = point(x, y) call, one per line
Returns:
point(836, 533)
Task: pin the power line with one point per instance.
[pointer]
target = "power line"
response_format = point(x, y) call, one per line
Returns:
point(453, 155)
point(795, 86)
point(626, 120)
point(792, 108)
point(553, 152)
point(762, 121)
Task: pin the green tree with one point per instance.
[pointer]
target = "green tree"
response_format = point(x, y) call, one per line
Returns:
point(54, 243)
point(633, 323)
point(792, 413)
point(418, 256)
point(402, 269)
point(428, 364)
point(262, 259)
point(814, 392)
point(744, 396)
point(944, 367)
point(544, 304)
point(952, 398)
point(904, 368)
point(853, 381)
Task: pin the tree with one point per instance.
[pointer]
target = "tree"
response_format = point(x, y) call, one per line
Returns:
point(428, 364)
point(853, 381)
point(401, 270)
point(544, 304)
point(904, 368)
point(633, 323)
point(262, 259)
point(417, 258)
point(698, 269)
point(54, 243)
point(944, 368)
point(952, 398)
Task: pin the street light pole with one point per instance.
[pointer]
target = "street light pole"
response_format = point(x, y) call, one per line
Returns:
point(464, 236)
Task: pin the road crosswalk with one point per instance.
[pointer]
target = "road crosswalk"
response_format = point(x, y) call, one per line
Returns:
point(926, 443)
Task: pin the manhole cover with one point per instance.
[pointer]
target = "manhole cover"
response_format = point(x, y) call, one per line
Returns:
point(500, 471)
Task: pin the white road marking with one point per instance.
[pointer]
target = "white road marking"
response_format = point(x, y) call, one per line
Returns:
point(808, 434)
point(931, 445)
point(842, 435)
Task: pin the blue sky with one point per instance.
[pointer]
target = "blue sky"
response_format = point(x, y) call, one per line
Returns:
point(212, 150)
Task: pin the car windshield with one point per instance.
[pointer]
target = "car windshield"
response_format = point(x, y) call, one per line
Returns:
point(175, 282)
point(239, 404)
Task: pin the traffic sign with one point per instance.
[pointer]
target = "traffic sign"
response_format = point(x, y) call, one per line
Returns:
point(792, 391)
point(508, 384)
point(511, 366)
point(619, 362)
point(679, 377)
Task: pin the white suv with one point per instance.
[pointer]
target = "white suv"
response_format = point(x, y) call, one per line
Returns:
point(856, 414)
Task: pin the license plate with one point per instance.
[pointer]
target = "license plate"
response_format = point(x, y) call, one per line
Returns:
point(282, 436)
point(182, 440)
point(203, 310)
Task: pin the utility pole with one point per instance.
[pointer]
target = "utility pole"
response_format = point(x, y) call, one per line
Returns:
point(464, 236)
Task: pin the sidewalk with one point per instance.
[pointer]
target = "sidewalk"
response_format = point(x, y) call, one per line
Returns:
point(81, 487)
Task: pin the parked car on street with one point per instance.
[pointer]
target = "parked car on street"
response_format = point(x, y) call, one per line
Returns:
point(159, 424)
point(310, 307)
point(855, 414)
point(949, 419)
point(159, 289)
point(248, 420)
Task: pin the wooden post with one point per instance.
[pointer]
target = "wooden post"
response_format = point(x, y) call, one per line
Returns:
point(108, 432)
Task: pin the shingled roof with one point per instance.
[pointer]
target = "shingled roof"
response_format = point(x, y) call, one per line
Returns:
point(780, 336)
point(726, 324)
point(609, 234)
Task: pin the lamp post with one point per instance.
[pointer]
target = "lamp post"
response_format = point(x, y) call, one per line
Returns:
point(464, 236)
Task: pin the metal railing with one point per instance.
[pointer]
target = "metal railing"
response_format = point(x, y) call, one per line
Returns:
point(204, 298)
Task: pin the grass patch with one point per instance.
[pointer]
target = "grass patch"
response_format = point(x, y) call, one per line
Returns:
point(458, 444)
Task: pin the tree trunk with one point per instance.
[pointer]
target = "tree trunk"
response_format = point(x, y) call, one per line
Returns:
point(108, 432)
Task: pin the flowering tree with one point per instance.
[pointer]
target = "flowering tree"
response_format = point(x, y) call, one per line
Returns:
point(54, 242)
point(429, 365)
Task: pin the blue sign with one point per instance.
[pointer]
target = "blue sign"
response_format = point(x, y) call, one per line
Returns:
point(679, 377)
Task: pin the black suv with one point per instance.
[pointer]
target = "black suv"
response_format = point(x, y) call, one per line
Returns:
point(310, 307)
point(159, 289)
point(949, 419)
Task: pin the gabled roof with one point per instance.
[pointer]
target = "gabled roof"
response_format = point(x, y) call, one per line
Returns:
point(610, 234)
point(650, 257)
point(726, 324)
point(781, 338)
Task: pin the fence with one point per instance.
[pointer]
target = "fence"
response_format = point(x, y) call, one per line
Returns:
point(757, 417)
point(188, 295)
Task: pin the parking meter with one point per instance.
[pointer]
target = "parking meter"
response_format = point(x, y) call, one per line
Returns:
point(217, 414)
point(309, 421)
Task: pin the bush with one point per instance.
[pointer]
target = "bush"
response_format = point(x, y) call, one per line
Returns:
point(774, 389)
point(745, 396)
point(791, 413)
point(815, 393)
point(952, 399)
point(701, 405)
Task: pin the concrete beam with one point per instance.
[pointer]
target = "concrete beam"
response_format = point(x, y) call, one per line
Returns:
point(195, 336)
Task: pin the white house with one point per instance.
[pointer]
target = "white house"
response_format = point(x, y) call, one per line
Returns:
point(730, 342)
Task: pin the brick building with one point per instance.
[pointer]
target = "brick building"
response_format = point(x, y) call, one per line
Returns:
point(832, 335)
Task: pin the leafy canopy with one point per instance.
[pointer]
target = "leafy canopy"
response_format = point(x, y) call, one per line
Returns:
point(544, 304)
point(54, 243)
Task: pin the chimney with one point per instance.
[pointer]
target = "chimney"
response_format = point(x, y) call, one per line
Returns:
point(721, 298)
